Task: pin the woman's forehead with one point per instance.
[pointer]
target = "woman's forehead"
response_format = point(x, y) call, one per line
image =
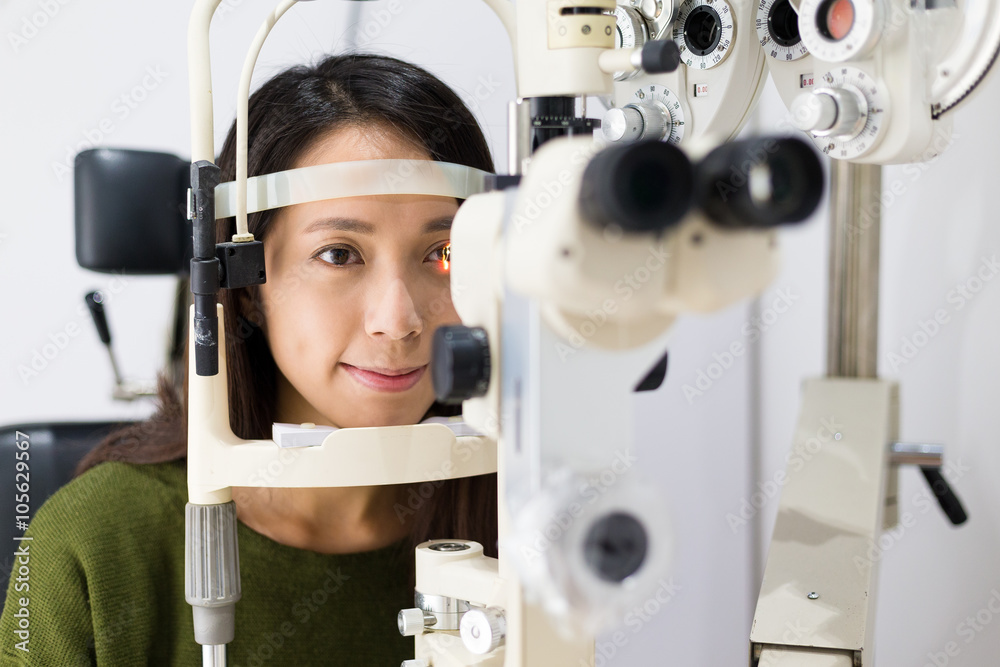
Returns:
point(411, 216)
point(350, 143)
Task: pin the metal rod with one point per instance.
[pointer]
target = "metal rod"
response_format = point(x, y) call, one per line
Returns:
point(518, 135)
point(855, 229)
point(114, 365)
point(916, 453)
point(213, 655)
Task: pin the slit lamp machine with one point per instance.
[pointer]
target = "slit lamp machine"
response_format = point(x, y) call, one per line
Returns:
point(657, 189)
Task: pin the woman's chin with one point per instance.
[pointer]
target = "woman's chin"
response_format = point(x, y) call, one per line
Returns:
point(381, 419)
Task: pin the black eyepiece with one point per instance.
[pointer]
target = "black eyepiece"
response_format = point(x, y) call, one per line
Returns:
point(639, 187)
point(760, 182)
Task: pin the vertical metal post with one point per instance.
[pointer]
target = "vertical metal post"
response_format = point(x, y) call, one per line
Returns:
point(518, 135)
point(213, 655)
point(855, 229)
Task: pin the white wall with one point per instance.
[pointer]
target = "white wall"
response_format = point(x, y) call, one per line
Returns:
point(63, 86)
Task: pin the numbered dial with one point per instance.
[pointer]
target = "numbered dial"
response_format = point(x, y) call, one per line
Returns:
point(840, 30)
point(778, 30)
point(630, 32)
point(704, 31)
point(844, 115)
point(654, 113)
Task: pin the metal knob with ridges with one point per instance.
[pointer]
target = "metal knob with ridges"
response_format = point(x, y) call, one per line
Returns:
point(212, 570)
point(412, 622)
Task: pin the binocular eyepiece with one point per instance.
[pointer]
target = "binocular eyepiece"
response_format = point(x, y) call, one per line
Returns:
point(651, 185)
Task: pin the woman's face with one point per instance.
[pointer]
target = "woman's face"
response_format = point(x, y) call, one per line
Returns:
point(355, 289)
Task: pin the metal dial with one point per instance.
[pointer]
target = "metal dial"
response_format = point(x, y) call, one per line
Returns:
point(778, 30)
point(654, 113)
point(705, 31)
point(845, 114)
point(630, 32)
point(839, 30)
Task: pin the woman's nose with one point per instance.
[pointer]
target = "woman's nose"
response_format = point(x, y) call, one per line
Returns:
point(392, 311)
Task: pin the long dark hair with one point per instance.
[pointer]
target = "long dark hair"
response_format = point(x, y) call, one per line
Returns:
point(286, 115)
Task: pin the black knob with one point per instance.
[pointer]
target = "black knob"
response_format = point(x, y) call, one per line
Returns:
point(639, 187)
point(615, 546)
point(760, 182)
point(95, 301)
point(460, 363)
point(660, 55)
point(950, 504)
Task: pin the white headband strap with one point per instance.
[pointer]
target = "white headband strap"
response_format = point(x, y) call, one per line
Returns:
point(352, 179)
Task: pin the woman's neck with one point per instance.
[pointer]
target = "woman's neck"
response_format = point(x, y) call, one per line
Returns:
point(327, 520)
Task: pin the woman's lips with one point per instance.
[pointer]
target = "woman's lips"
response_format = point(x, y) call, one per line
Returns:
point(380, 382)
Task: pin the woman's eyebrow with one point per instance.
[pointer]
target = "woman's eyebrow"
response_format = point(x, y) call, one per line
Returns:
point(442, 224)
point(439, 225)
point(340, 225)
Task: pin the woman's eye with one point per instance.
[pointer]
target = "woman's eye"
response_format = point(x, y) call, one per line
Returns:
point(442, 256)
point(337, 255)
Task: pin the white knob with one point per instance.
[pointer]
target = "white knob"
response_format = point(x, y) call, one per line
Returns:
point(811, 113)
point(483, 630)
point(412, 622)
point(829, 112)
point(413, 663)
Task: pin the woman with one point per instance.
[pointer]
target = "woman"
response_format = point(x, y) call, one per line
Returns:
point(340, 334)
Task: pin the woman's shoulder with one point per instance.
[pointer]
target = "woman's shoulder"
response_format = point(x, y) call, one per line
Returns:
point(111, 496)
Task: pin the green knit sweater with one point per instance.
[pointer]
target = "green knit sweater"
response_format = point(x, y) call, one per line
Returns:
point(106, 586)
